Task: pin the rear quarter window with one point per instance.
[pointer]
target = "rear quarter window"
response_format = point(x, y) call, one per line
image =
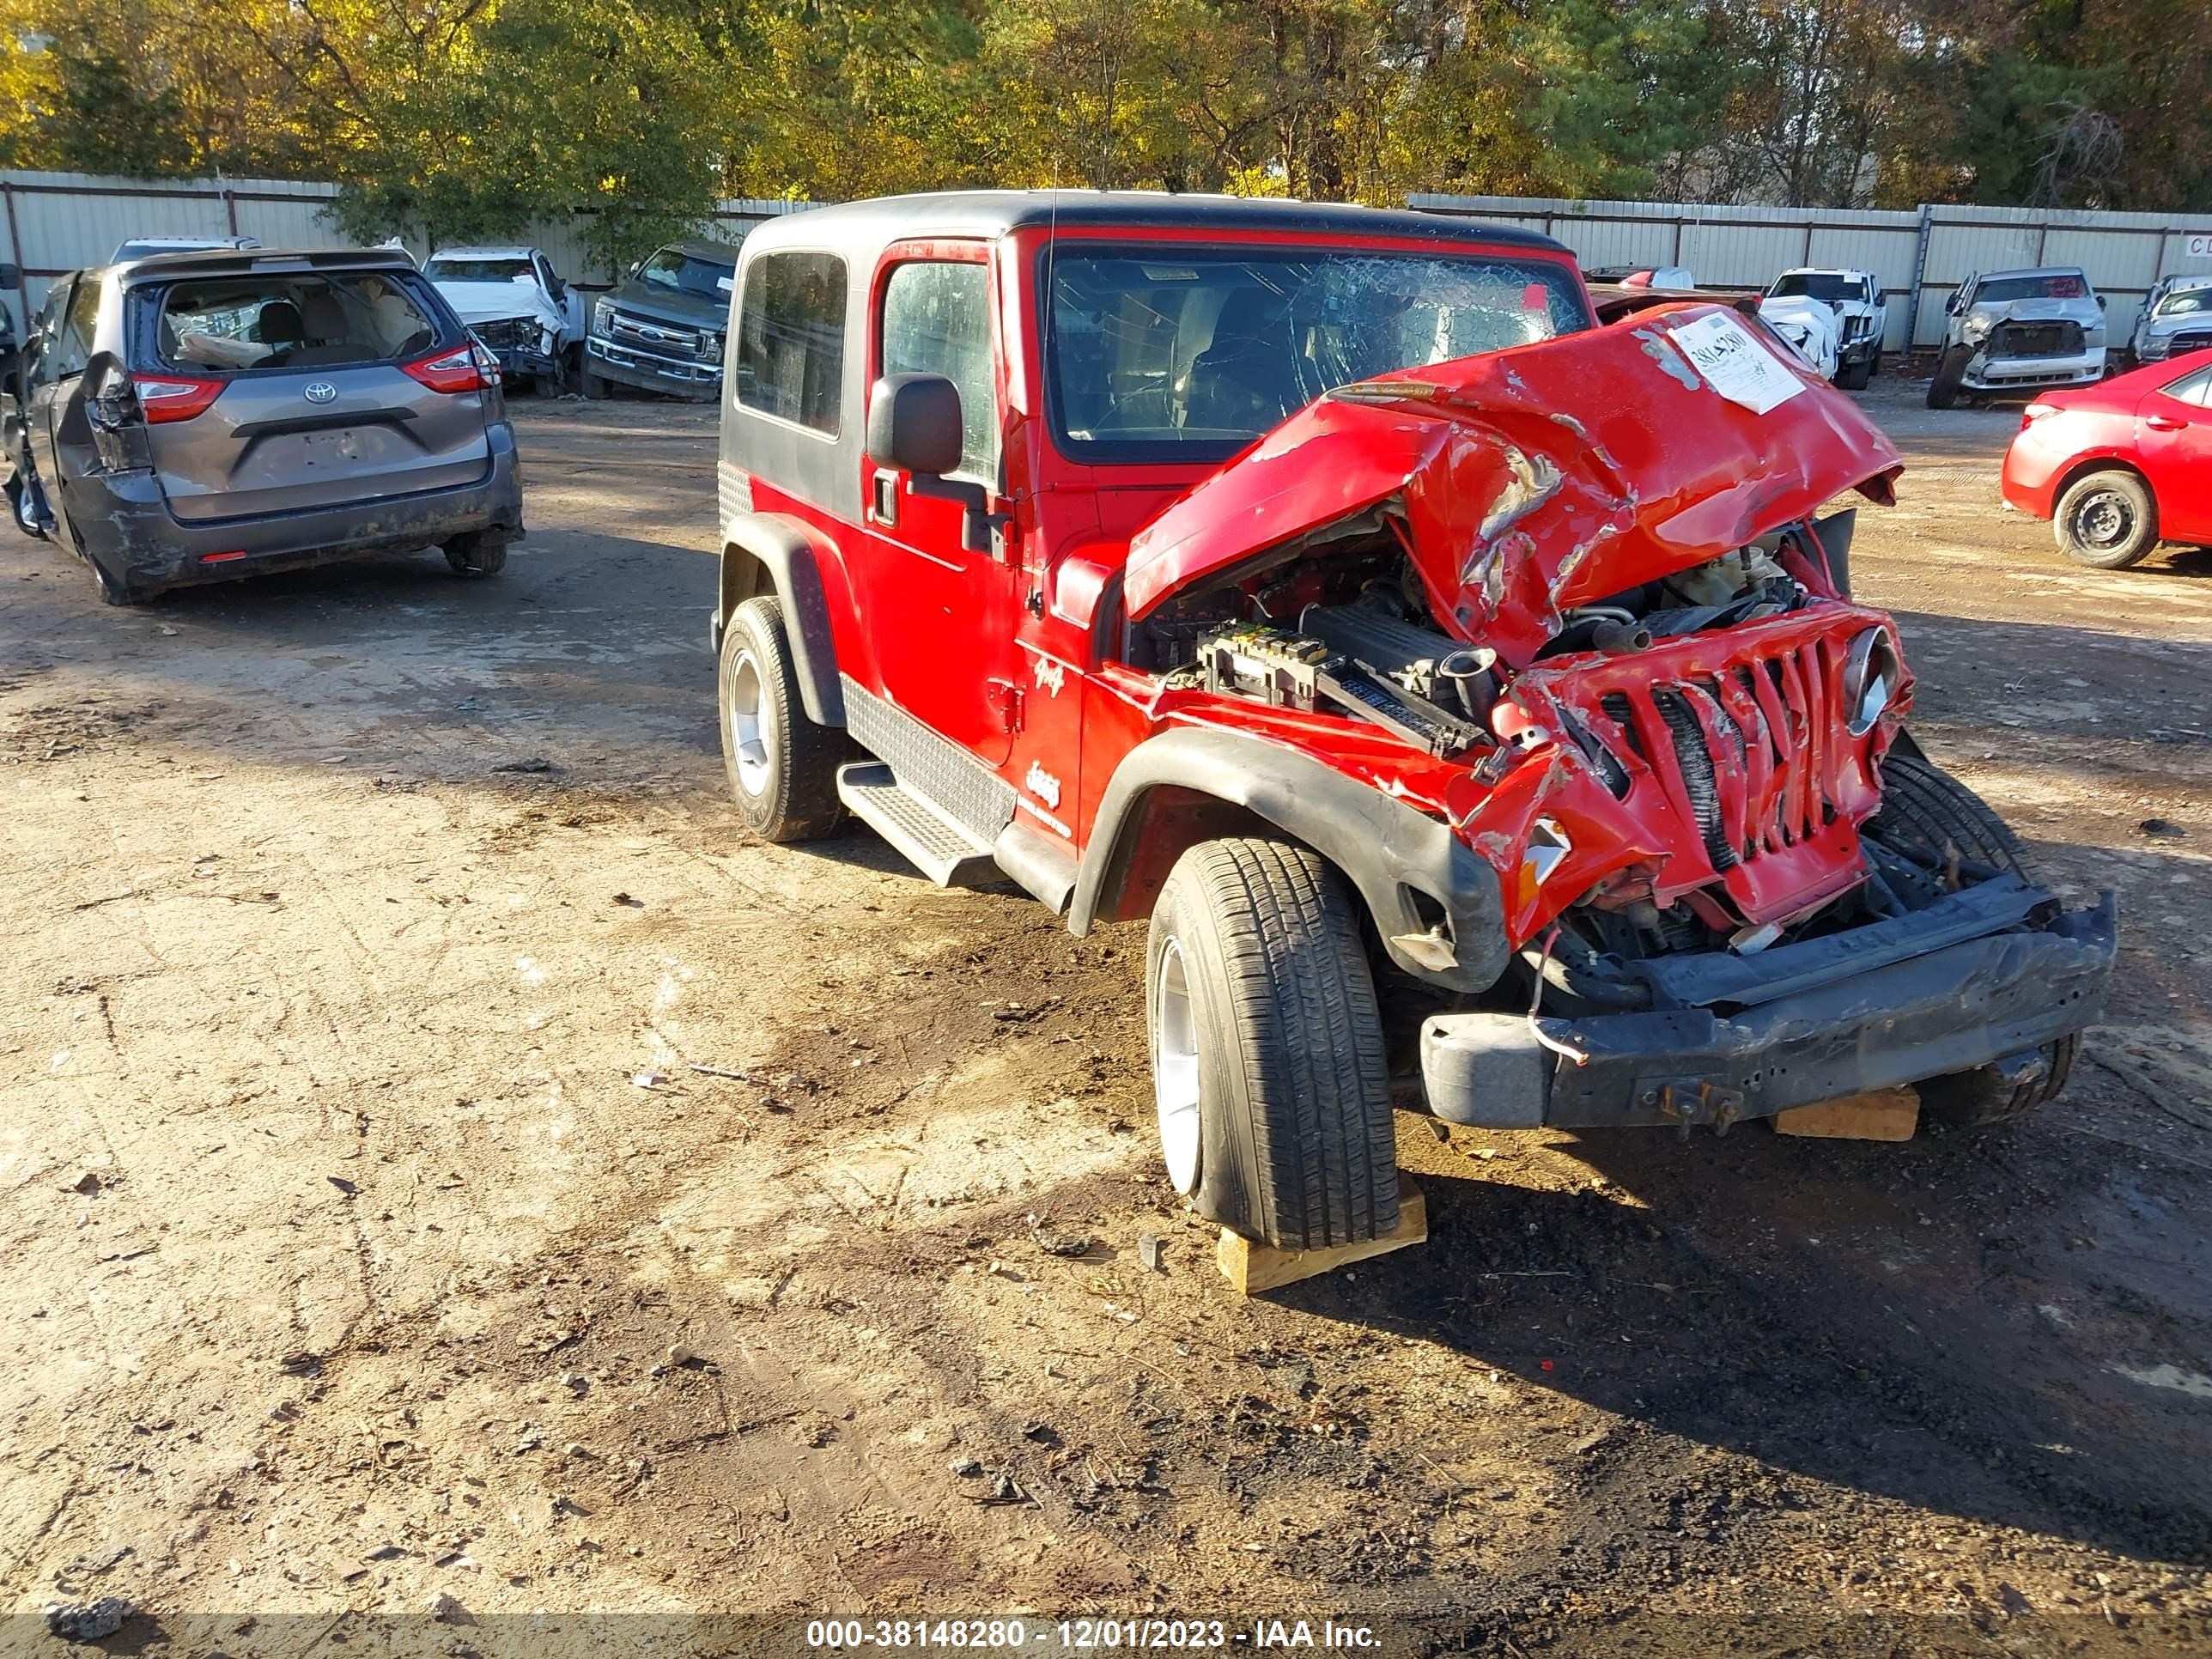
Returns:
point(791, 340)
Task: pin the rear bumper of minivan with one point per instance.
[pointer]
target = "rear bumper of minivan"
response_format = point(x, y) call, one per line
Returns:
point(139, 543)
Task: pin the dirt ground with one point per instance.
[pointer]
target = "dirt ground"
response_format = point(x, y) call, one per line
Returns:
point(376, 1247)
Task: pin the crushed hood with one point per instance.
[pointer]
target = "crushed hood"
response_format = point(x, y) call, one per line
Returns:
point(2083, 311)
point(491, 303)
point(1528, 481)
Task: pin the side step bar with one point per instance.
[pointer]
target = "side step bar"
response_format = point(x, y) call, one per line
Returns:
point(946, 852)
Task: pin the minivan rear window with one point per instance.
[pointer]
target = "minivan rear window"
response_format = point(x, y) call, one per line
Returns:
point(292, 320)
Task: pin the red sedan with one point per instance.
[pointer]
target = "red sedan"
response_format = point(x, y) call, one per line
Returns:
point(2118, 467)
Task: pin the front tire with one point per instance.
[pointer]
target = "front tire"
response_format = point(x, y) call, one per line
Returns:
point(593, 384)
point(1926, 811)
point(1854, 376)
point(782, 767)
point(2107, 520)
point(1950, 371)
point(1268, 1070)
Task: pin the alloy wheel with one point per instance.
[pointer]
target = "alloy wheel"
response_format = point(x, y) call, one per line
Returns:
point(748, 730)
point(1175, 1069)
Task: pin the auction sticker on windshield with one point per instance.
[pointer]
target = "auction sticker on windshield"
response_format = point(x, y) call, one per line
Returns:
point(1735, 365)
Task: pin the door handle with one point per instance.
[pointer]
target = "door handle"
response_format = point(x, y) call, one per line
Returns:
point(2164, 423)
point(883, 497)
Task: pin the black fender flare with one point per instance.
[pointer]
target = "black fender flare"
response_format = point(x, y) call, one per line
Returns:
point(1410, 870)
point(774, 551)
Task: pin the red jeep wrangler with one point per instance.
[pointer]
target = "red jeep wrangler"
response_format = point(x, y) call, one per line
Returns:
point(1467, 692)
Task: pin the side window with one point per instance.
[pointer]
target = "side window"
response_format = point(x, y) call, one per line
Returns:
point(791, 338)
point(2192, 388)
point(937, 320)
point(72, 345)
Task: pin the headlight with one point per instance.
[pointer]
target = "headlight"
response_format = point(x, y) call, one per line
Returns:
point(1872, 674)
point(710, 345)
point(1976, 329)
point(602, 317)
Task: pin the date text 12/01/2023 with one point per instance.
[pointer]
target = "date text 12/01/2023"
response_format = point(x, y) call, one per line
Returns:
point(1086, 1634)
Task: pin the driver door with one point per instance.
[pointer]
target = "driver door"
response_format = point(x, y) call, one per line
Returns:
point(942, 615)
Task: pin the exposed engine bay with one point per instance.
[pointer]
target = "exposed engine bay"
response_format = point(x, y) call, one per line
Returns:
point(1344, 632)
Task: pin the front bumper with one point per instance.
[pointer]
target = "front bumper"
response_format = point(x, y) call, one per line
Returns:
point(1950, 1009)
point(677, 376)
point(2021, 374)
point(137, 540)
point(519, 362)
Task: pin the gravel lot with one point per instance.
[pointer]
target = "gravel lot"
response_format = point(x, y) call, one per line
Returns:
point(376, 1249)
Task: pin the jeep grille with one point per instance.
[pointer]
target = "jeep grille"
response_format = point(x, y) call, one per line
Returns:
point(1771, 715)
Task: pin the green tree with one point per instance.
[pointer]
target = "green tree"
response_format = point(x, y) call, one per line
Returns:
point(98, 118)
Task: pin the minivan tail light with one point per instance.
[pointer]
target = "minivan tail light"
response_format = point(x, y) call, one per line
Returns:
point(464, 368)
point(174, 396)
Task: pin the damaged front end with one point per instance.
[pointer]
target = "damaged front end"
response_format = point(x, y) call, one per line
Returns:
point(1575, 601)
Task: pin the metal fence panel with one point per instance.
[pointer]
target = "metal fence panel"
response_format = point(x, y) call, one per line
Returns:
point(2122, 253)
point(57, 222)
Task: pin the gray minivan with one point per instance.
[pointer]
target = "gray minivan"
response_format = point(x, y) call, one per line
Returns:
point(193, 417)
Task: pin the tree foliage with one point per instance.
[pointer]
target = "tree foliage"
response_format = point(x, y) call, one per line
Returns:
point(473, 118)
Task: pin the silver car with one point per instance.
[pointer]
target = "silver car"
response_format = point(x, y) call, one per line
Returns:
point(2017, 330)
point(2177, 317)
point(192, 417)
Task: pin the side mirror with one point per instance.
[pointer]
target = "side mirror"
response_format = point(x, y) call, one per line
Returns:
point(913, 423)
point(915, 426)
point(2101, 302)
point(11, 278)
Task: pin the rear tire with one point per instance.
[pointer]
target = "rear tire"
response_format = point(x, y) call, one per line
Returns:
point(1950, 371)
point(2107, 520)
point(113, 590)
point(1925, 809)
point(477, 555)
point(782, 767)
point(1268, 1069)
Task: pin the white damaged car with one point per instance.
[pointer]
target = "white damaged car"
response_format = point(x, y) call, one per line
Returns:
point(514, 301)
point(1848, 307)
point(2176, 319)
point(1808, 327)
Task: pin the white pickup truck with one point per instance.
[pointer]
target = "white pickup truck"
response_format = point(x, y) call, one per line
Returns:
point(514, 301)
point(1812, 302)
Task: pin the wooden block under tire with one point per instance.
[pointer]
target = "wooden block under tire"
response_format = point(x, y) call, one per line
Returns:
point(1879, 1114)
point(1252, 1267)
